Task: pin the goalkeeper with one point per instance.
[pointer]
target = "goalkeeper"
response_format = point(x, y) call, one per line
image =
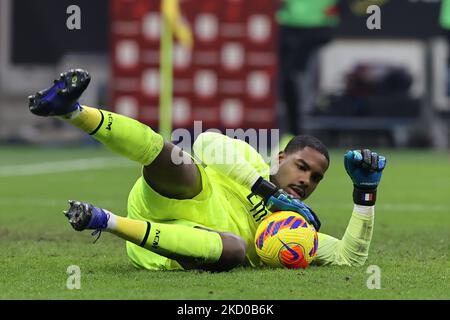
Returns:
point(192, 216)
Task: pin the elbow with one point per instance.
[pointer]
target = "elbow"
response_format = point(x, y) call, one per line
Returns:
point(357, 261)
point(351, 258)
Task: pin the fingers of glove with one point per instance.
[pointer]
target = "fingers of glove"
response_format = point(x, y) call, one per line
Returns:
point(316, 223)
point(367, 158)
point(308, 216)
point(374, 161)
point(370, 160)
point(353, 156)
point(307, 212)
point(352, 159)
point(311, 217)
point(285, 202)
point(299, 207)
point(283, 196)
point(315, 218)
point(381, 163)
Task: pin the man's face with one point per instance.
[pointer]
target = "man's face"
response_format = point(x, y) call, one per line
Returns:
point(300, 172)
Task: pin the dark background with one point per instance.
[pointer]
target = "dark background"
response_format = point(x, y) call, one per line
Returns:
point(399, 18)
point(40, 35)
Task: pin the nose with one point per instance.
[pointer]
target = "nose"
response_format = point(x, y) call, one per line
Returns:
point(305, 180)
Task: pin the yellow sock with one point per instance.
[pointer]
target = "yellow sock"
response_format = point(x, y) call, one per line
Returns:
point(169, 240)
point(88, 119)
point(123, 135)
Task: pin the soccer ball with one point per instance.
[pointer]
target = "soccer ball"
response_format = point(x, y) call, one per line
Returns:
point(285, 240)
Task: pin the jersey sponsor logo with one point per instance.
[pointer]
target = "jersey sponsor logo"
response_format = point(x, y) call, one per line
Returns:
point(258, 211)
point(110, 121)
point(156, 239)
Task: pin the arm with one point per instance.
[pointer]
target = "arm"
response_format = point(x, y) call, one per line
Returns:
point(365, 169)
point(237, 160)
point(353, 248)
point(233, 158)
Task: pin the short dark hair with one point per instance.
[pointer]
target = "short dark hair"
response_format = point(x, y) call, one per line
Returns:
point(300, 142)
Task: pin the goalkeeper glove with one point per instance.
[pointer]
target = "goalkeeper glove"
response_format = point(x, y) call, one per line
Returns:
point(364, 168)
point(278, 200)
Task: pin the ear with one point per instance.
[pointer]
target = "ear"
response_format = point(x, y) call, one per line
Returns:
point(281, 156)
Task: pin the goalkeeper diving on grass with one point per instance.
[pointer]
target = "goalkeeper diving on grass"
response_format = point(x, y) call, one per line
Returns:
point(203, 214)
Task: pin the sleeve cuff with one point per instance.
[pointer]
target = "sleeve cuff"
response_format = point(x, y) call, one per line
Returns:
point(364, 210)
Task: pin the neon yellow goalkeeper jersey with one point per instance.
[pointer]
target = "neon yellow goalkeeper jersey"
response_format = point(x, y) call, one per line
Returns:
point(226, 204)
point(227, 163)
point(236, 177)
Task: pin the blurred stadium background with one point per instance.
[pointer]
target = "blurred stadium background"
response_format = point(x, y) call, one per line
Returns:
point(383, 87)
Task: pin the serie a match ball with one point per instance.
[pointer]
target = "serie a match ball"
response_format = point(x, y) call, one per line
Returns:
point(285, 240)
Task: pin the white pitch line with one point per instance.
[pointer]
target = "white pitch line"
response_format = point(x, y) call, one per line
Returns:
point(13, 201)
point(62, 166)
point(380, 207)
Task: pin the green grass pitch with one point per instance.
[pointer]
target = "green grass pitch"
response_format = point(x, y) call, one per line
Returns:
point(410, 243)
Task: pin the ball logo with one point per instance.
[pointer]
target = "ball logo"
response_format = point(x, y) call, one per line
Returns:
point(291, 255)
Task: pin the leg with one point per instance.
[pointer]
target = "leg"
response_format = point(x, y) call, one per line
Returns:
point(122, 135)
point(193, 248)
point(181, 181)
point(140, 143)
point(233, 254)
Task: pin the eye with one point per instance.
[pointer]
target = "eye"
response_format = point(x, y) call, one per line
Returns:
point(301, 167)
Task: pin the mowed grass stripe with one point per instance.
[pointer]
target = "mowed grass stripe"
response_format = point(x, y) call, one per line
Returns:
point(410, 243)
point(62, 166)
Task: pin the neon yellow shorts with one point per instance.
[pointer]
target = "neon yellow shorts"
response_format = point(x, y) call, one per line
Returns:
point(212, 208)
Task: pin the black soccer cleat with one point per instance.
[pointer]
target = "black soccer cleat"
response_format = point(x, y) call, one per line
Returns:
point(85, 216)
point(61, 98)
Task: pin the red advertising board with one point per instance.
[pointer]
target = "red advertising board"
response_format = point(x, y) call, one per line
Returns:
point(227, 80)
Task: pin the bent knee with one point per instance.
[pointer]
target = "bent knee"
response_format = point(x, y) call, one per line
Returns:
point(173, 174)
